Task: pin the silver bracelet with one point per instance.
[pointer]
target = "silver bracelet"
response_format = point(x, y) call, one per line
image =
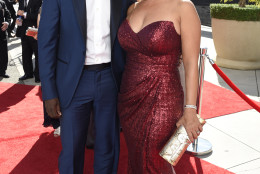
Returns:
point(191, 106)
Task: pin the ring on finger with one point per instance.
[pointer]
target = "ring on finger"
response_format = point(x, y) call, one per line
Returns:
point(198, 132)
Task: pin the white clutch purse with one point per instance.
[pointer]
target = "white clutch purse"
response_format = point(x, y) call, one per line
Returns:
point(177, 145)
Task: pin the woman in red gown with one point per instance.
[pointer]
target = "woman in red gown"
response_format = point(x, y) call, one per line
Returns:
point(150, 104)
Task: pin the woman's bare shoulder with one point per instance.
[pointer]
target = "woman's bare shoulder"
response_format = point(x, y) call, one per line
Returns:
point(186, 5)
point(132, 7)
point(189, 15)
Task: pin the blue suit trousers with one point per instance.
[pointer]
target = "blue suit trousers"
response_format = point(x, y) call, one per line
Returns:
point(96, 91)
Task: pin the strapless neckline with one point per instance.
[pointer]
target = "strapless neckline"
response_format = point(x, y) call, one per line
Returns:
point(152, 23)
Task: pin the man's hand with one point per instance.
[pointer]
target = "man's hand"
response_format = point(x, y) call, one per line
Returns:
point(5, 26)
point(20, 12)
point(53, 108)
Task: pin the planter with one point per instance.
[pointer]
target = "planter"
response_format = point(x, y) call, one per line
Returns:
point(236, 35)
point(237, 43)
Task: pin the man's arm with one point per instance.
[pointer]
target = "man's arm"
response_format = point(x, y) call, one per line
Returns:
point(47, 46)
point(20, 8)
point(7, 15)
point(21, 5)
point(7, 18)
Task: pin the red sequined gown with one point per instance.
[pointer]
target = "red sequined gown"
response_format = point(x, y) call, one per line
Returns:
point(151, 96)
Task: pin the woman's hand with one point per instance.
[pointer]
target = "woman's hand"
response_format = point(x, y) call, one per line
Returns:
point(35, 37)
point(191, 123)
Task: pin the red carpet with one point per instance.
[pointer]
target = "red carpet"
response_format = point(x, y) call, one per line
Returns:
point(218, 101)
point(28, 148)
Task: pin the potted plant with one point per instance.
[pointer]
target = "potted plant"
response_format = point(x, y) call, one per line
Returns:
point(236, 34)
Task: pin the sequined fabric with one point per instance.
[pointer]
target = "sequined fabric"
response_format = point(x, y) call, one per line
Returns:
point(151, 97)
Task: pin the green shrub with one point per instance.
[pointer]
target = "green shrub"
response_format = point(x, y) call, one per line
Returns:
point(242, 3)
point(234, 12)
point(257, 2)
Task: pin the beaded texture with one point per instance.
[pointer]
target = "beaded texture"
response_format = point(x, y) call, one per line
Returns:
point(150, 101)
point(191, 107)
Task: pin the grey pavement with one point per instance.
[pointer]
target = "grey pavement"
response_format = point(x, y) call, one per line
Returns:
point(235, 137)
point(15, 67)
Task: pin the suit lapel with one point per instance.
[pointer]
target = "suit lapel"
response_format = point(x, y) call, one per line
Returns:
point(27, 6)
point(116, 9)
point(80, 11)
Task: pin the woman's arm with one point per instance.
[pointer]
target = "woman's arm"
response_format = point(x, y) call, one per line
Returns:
point(39, 17)
point(190, 37)
point(38, 23)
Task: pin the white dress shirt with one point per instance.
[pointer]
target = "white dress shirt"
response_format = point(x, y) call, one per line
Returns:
point(98, 32)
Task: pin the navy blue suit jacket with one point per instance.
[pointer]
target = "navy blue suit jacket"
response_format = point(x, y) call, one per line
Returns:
point(62, 46)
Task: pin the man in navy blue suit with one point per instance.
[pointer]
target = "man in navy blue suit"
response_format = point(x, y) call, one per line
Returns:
point(81, 63)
